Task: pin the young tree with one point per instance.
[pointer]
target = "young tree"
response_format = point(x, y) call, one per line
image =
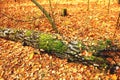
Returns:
point(117, 25)
point(88, 5)
point(118, 1)
point(109, 6)
point(118, 21)
point(47, 15)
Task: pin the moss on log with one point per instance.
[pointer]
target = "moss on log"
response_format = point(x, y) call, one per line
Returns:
point(71, 51)
point(47, 42)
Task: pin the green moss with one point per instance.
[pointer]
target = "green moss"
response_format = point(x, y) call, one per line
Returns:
point(92, 58)
point(95, 59)
point(98, 46)
point(58, 46)
point(28, 33)
point(108, 41)
point(81, 45)
point(48, 43)
point(99, 60)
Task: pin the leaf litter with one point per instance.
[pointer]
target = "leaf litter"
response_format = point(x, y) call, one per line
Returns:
point(18, 62)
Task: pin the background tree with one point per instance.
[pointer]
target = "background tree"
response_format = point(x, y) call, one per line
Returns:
point(118, 1)
point(88, 5)
point(109, 6)
point(118, 21)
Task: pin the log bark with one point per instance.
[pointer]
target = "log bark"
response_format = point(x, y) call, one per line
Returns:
point(71, 51)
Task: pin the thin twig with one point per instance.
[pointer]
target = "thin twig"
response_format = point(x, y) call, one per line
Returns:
point(20, 20)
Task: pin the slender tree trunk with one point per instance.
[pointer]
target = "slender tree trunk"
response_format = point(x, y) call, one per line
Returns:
point(88, 5)
point(109, 7)
point(118, 1)
point(118, 21)
point(47, 15)
point(117, 25)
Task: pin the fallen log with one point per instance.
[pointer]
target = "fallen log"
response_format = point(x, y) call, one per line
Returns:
point(71, 51)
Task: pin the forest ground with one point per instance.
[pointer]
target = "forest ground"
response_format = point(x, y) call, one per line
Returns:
point(19, 62)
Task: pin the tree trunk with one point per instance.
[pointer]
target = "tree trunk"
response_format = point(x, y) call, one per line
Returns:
point(71, 51)
point(52, 22)
point(118, 21)
point(64, 12)
point(118, 1)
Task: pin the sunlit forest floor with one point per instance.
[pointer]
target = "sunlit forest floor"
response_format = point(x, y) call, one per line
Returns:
point(18, 62)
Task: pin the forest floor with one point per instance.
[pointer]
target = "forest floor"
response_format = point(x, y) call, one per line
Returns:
point(20, 63)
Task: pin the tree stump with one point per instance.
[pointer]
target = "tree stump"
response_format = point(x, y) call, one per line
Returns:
point(64, 12)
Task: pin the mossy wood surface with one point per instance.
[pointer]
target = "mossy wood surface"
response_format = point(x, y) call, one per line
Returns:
point(35, 39)
point(71, 51)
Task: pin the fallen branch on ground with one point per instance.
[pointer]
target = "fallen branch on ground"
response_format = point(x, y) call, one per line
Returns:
point(71, 51)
